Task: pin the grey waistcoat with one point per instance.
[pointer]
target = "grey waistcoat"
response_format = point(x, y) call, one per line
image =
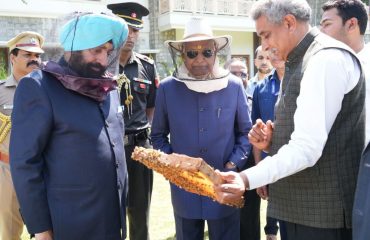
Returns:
point(320, 196)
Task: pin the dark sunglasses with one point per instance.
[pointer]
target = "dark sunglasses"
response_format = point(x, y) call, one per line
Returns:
point(240, 74)
point(207, 53)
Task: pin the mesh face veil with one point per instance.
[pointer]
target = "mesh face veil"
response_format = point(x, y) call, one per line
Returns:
point(199, 69)
point(86, 30)
point(92, 44)
point(215, 56)
point(198, 56)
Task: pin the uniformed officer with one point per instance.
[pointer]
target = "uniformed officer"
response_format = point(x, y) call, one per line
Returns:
point(137, 95)
point(25, 50)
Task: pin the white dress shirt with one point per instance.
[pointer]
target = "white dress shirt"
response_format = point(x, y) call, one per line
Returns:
point(330, 74)
point(252, 83)
point(364, 56)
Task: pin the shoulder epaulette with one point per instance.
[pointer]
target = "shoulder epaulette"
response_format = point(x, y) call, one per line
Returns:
point(145, 58)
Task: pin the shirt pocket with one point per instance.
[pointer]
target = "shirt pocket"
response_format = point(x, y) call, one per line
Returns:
point(225, 118)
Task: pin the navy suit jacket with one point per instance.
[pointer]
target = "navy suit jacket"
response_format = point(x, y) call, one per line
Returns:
point(361, 208)
point(67, 160)
point(212, 126)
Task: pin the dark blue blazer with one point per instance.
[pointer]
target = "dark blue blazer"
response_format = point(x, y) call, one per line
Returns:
point(212, 126)
point(67, 161)
point(361, 208)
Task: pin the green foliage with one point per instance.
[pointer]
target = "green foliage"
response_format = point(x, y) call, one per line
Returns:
point(3, 66)
point(167, 69)
point(3, 71)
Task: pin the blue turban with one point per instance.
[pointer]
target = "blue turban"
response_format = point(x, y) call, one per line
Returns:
point(92, 30)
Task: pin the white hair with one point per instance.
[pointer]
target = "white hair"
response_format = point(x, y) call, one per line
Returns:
point(275, 10)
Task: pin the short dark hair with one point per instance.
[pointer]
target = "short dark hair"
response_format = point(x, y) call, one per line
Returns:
point(348, 9)
point(15, 51)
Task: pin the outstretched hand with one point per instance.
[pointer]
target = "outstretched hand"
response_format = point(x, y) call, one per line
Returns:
point(232, 189)
point(261, 134)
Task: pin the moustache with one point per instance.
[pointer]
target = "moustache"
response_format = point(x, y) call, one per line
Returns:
point(93, 70)
point(97, 66)
point(33, 63)
point(129, 42)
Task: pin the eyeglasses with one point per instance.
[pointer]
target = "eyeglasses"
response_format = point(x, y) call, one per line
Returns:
point(207, 53)
point(240, 74)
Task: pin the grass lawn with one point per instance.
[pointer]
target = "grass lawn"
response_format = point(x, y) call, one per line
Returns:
point(162, 224)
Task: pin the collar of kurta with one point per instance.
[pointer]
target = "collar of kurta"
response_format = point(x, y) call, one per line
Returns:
point(299, 51)
point(97, 89)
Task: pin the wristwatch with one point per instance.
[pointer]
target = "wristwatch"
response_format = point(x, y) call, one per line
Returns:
point(233, 165)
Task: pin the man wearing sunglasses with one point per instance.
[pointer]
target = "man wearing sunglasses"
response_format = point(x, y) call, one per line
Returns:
point(204, 109)
point(239, 69)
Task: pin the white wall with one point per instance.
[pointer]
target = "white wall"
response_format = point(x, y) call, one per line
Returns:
point(48, 8)
point(58, 8)
point(218, 22)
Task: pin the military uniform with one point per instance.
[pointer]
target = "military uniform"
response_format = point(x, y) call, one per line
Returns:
point(143, 84)
point(142, 73)
point(137, 95)
point(11, 224)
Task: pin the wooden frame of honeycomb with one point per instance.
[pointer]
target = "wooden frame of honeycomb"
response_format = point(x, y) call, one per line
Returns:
point(192, 174)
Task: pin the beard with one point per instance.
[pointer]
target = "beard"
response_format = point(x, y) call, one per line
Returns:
point(86, 69)
point(264, 70)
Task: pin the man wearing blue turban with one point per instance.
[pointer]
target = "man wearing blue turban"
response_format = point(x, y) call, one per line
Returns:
point(66, 149)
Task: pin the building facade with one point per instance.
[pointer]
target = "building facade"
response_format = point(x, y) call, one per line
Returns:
point(46, 17)
point(226, 17)
point(166, 22)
